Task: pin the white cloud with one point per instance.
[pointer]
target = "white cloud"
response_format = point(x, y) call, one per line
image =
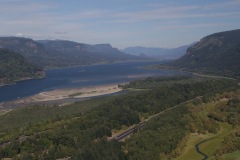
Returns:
point(19, 35)
point(61, 32)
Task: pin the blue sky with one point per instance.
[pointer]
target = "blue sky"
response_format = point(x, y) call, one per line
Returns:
point(122, 23)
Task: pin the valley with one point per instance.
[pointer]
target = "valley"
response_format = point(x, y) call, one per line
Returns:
point(99, 117)
point(77, 101)
point(120, 80)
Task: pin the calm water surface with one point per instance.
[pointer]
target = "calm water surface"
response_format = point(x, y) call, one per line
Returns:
point(82, 76)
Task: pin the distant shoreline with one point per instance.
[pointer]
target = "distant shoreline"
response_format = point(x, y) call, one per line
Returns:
point(63, 67)
point(100, 63)
point(19, 80)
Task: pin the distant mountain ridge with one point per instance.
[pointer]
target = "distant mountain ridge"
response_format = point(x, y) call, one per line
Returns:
point(218, 53)
point(73, 53)
point(14, 66)
point(161, 53)
point(62, 53)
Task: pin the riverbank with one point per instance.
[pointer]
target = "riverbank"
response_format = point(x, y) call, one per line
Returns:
point(4, 82)
point(63, 95)
point(81, 77)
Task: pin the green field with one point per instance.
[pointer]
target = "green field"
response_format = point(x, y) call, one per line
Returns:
point(213, 141)
point(208, 147)
point(190, 151)
point(232, 156)
point(211, 145)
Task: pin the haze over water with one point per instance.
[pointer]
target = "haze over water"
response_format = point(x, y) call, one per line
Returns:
point(82, 76)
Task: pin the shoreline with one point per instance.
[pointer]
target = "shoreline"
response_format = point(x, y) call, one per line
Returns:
point(21, 79)
point(100, 63)
point(63, 95)
point(56, 68)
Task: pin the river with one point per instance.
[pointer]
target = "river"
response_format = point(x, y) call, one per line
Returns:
point(82, 76)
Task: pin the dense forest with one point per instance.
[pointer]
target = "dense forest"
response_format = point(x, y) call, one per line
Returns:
point(13, 67)
point(218, 53)
point(85, 134)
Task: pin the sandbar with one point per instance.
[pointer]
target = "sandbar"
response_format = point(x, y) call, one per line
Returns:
point(61, 94)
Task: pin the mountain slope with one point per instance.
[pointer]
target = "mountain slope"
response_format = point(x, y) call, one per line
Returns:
point(13, 66)
point(31, 50)
point(73, 53)
point(218, 53)
point(162, 53)
point(62, 53)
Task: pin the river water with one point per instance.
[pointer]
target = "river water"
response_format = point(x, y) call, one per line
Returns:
point(82, 76)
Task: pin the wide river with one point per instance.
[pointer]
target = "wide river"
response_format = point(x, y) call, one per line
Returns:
point(82, 76)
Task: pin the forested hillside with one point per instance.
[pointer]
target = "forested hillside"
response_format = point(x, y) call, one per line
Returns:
point(62, 53)
point(74, 133)
point(13, 67)
point(218, 53)
point(32, 51)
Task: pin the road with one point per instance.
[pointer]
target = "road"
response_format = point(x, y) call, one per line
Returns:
point(141, 124)
point(130, 131)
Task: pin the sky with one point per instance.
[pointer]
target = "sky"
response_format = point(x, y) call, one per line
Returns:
point(122, 23)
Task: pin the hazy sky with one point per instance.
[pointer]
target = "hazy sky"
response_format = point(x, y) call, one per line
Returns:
point(122, 23)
